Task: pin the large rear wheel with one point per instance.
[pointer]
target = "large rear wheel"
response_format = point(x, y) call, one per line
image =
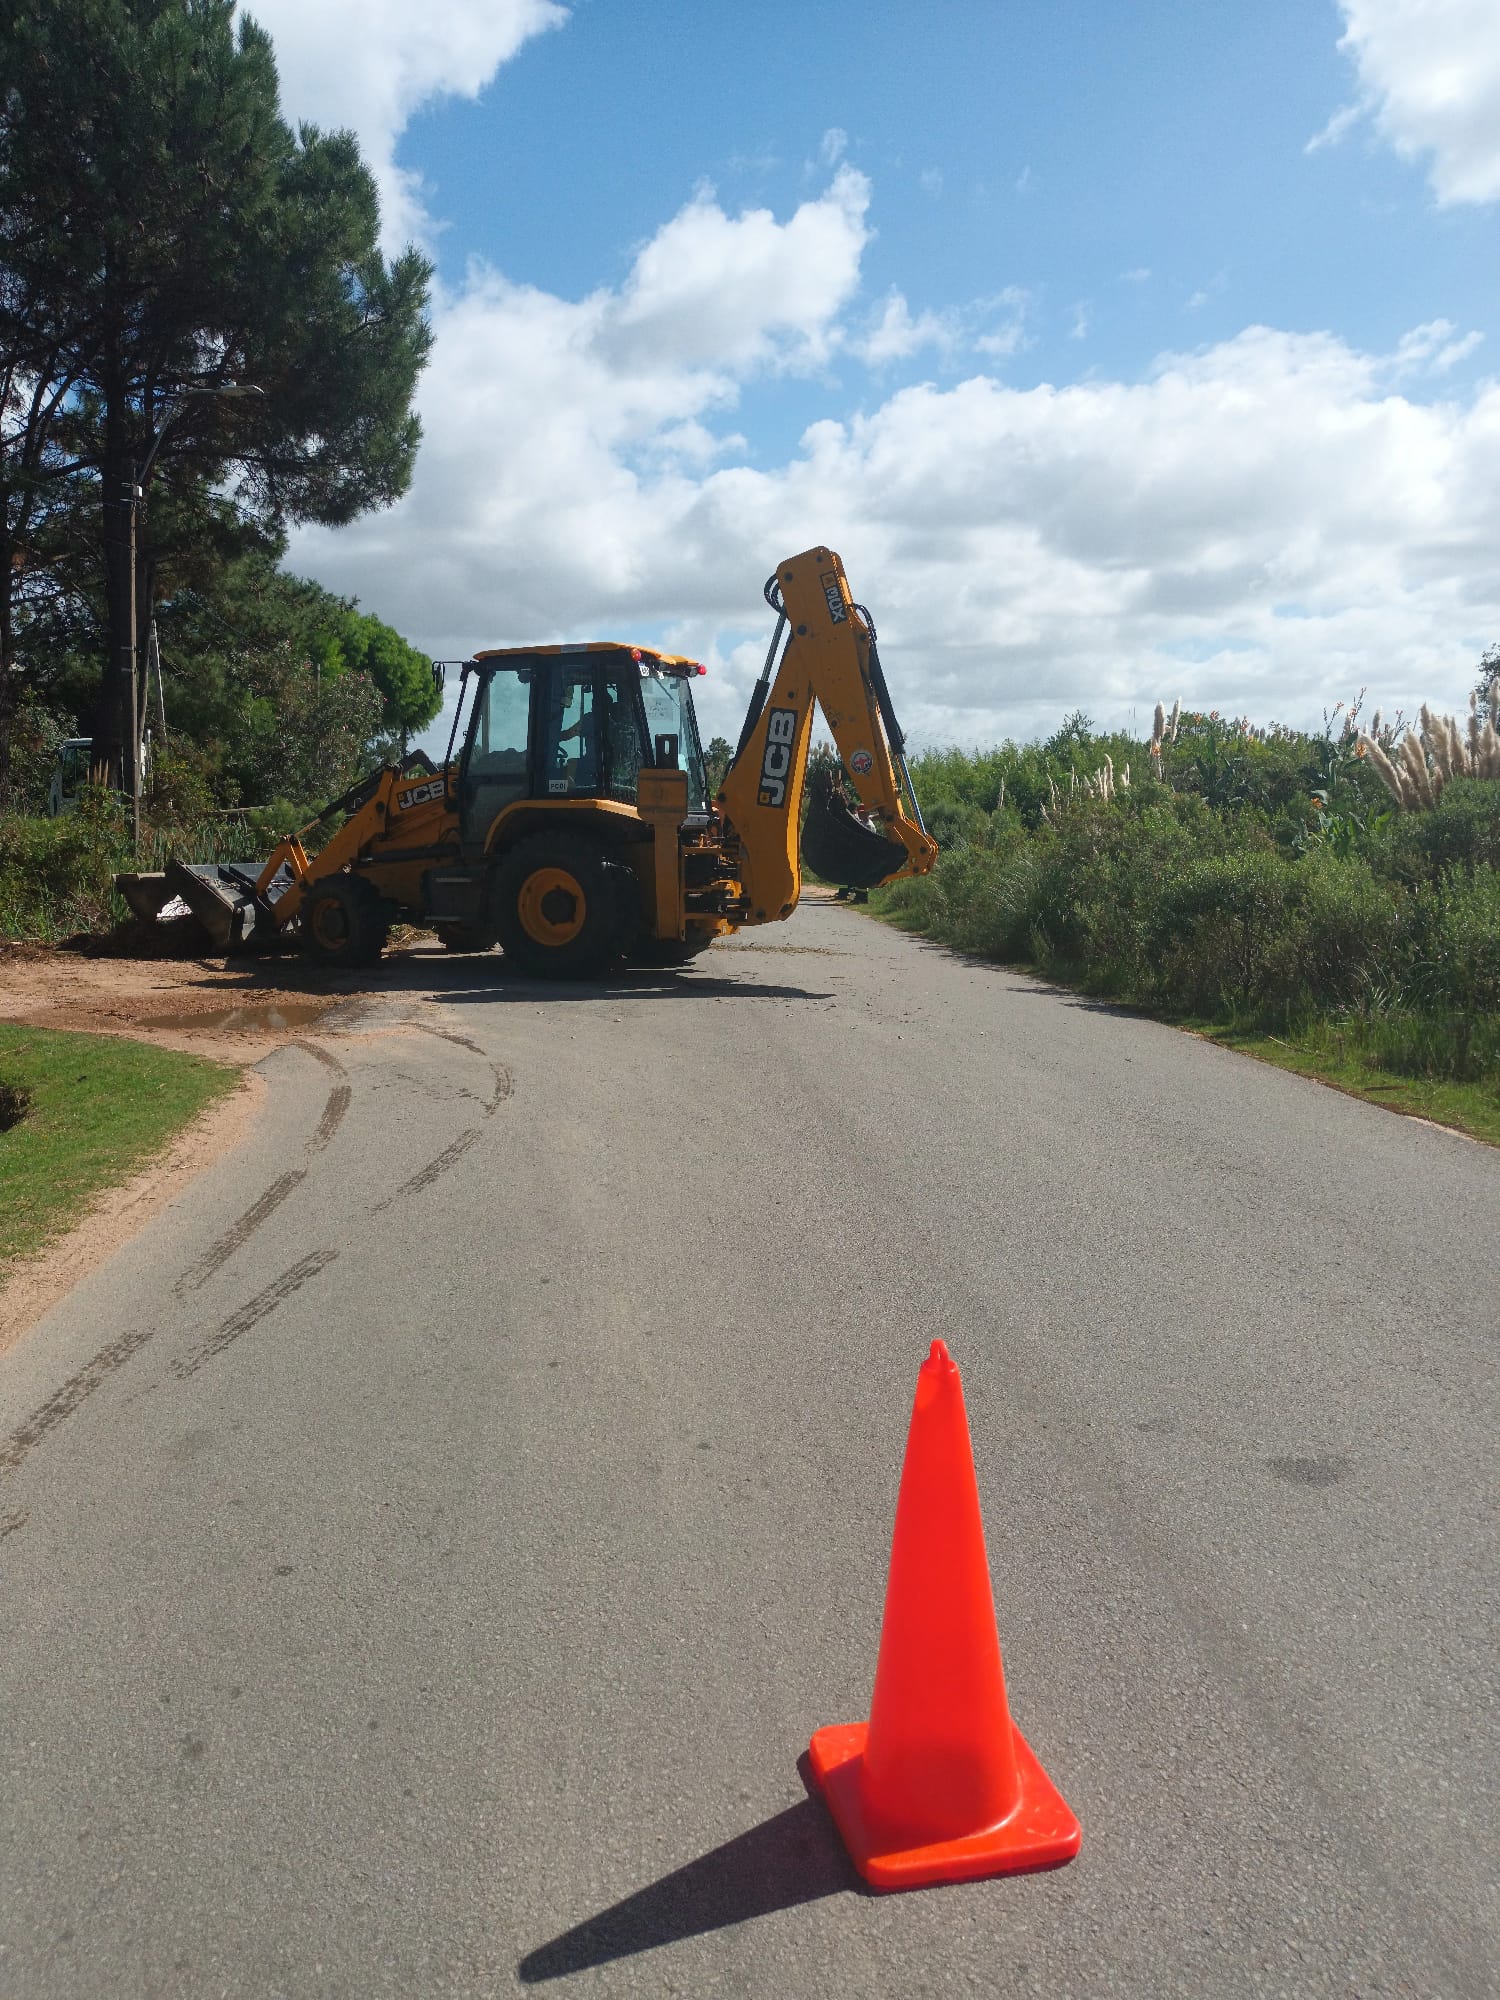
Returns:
point(343, 922)
point(670, 951)
point(562, 906)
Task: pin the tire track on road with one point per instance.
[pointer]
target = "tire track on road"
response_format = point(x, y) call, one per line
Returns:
point(504, 1077)
point(112, 1357)
point(435, 1167)
point(64, 1401)
point(438, 1165)
point(253, 1311)
point(61, 1404)
point(270, 1199)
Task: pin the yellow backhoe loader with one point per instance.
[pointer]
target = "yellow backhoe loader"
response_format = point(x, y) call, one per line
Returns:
point(574, 826)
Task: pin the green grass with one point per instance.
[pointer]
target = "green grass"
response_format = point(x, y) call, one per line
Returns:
point(1380, 1059)
point(99, 1108)
point(1338, 1058)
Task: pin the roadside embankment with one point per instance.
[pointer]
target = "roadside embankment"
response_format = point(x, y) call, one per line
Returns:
point(80, 1117)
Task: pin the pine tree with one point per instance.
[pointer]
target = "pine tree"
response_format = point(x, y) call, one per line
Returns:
point(164, 235)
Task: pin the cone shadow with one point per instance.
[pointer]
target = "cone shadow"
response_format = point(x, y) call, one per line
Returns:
point(794, 1857)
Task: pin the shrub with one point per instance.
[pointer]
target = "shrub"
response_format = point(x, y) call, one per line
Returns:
point(1440, 1045)
point(1461, 831)
point(1453, 957)
point(57, 875)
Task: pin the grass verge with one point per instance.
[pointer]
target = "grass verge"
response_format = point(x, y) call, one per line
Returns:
point(1473, 1108)
point(93, 1109)
point(1343, 1054)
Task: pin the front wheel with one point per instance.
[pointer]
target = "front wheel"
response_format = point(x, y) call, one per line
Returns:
point(465, 937)
point(562, 906)
point(343, 922)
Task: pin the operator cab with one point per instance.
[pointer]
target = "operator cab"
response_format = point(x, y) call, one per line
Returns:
point(561, 723)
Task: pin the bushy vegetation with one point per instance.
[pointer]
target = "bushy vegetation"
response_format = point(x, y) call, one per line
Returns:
point(57, 875)
point(1253, 878)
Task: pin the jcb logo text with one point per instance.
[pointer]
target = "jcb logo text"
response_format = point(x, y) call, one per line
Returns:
point(776, 765)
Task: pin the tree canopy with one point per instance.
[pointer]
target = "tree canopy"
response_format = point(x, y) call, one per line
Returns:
point(165, 236)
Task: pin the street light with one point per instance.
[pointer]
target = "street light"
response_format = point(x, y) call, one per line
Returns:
point(135, 494)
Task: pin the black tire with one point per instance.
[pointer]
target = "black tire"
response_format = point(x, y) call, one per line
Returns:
point(343, 922)
point(669, 951)
point(563, 907)
point(465, 937)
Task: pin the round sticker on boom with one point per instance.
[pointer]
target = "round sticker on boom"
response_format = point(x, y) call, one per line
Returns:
point(861, 762)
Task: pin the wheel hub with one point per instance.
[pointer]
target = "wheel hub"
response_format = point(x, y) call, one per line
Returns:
point(552, 906)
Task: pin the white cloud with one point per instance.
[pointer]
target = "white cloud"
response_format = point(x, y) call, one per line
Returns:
point(1433, 348)
point(554, 423)
point(1339, 126)
point(930, 181)
point(898, 333)
point(1429, 74)
point(1008, 310)
point(994, 326)
point(739, 291)
point(1263, 525)
point(835, 143)
point(369, 65)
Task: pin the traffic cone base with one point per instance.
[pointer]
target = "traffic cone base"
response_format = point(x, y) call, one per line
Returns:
point(1038, 1832)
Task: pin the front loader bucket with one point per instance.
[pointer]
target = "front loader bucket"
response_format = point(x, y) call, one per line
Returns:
point(145, 895)
point(840, 847)
point(221, 895)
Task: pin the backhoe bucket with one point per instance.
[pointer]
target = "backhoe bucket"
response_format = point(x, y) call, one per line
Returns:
point(840, 847)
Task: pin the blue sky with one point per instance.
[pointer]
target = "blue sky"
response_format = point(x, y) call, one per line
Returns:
point(1062, 149)
point(1124, 352)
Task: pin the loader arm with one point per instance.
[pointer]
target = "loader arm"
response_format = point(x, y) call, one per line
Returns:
point(830, 658)
point(402, 804)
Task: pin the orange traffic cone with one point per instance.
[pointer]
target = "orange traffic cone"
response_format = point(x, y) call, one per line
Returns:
point(939, 1785)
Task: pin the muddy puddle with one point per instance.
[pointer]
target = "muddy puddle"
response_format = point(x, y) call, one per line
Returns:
point(270, 1018)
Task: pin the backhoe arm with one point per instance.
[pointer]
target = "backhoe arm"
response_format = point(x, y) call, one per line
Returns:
point(830, 657)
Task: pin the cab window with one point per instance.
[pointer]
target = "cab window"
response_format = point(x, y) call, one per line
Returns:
point(495, 769)
point(570, 734)
point(626, 751)
point(669, 712)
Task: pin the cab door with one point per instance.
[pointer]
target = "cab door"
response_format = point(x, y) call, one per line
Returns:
point(496, 769)
point(570, 735)
point(591, 734)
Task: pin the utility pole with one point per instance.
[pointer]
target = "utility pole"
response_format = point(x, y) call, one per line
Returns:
point(153, 661)
point(135, 495)
point(133, 502)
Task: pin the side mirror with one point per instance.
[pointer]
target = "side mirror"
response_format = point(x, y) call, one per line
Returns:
point(666, 753)
point(439, 673)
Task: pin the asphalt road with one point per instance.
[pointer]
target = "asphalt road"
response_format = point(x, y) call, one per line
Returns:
point(426, 1550)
